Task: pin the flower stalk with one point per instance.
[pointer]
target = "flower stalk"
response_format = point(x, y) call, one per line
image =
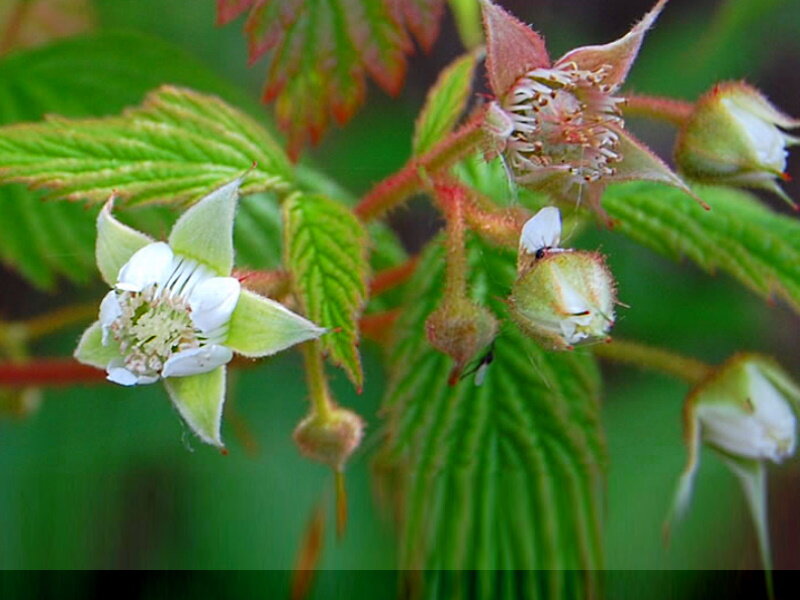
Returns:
point(654, 359)
point(671, 110)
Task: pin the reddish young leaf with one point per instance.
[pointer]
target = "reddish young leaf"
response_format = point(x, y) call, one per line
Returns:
point(228, 10)
point(422, 18)
point(319, 53)
point(513, 48)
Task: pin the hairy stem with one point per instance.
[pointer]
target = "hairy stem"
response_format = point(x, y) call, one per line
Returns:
point(647, 357)
point(48, 372)
point(414, 176)
point(451, 199)
point(653, 107)
point(390, 278)
point(318, 390)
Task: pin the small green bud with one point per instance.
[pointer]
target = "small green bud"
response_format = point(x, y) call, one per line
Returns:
point(330, 438)
point(460, 328)
point(734, 137)
point(562, 298)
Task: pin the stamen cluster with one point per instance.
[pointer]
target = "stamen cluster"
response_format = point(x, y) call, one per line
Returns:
point(563, 117)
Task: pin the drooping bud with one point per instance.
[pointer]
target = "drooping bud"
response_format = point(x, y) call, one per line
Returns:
point(460, 328)
point(745, 410)
point(330, 438)
point(562, 298)
point(734, 137)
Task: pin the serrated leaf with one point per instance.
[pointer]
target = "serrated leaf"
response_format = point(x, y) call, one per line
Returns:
point(325, 251)
point(505, 475)
point(319, 52)
point(739, 235)
point(173, 149)
point(444, 104)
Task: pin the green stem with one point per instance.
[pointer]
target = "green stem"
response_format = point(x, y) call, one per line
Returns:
point(321, 401)
point(647, 357)
point(451, 201)
point(671, 110)
point(416, 174)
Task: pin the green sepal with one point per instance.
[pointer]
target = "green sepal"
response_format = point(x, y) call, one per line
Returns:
point(116, 243)
point(260, 327)
point(199, 400)
point(205, 231)
point(92, 351)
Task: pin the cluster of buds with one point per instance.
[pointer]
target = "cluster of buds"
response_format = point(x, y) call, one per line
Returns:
point(746, 411)
point(734, 137)
point(562, 297)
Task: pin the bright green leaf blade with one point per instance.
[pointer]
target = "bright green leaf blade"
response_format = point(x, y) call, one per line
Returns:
point(739, 236)
point(505, 475)
point(205, 231)
point(89, 76)
point(116, 243)
point(325, 249)
point(199, 400)
point(92, 351)
point(174, 148)
point(260, 327)
point(467, 15)
point(445, 103)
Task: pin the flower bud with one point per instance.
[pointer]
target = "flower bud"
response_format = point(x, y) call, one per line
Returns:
point(460, 328)
point(330, 438)
point(734, 137)
point(745, 409)
point(562, 298)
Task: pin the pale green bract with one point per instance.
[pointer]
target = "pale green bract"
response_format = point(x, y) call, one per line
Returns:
point(175, 313)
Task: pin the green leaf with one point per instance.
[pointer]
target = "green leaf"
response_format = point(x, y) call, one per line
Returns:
point(505, 475)
point(199, 400)
point(445, 103)
point(320, 51)
point(174, 148)
point(93, 76)
point(325, 251)
point(739, 236)
point(261, 327)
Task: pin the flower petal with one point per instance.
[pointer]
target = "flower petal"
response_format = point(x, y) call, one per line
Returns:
point(116, 244)
point(196, 360)
point(151, 264)
point(199, 401)
point(260, 326)
point(619, 55)
point(513, 48)
point(542, 230)
point(205, 232)
point(212, 302)
point(123, 376)
point(92, 351)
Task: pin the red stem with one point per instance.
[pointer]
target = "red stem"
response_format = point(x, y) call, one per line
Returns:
point(390, 278)
point(671, 110)
point(48, 372)
point(414, 176)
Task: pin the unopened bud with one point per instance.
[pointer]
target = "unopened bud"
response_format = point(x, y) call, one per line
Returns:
point(734, 137)
point(460, 328)
point(330, 438)
point(745, 409)
point(562, 297)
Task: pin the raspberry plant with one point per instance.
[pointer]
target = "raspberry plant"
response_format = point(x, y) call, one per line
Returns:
point(485, 437)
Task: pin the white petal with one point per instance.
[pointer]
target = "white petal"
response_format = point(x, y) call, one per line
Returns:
point(767, 141)
point(122, 376)
point(542, 230)
point(196, 360)
point(110, 310)
point(212, 302)
point(151, 264)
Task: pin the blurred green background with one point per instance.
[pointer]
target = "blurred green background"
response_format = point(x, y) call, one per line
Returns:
point(101, 477)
